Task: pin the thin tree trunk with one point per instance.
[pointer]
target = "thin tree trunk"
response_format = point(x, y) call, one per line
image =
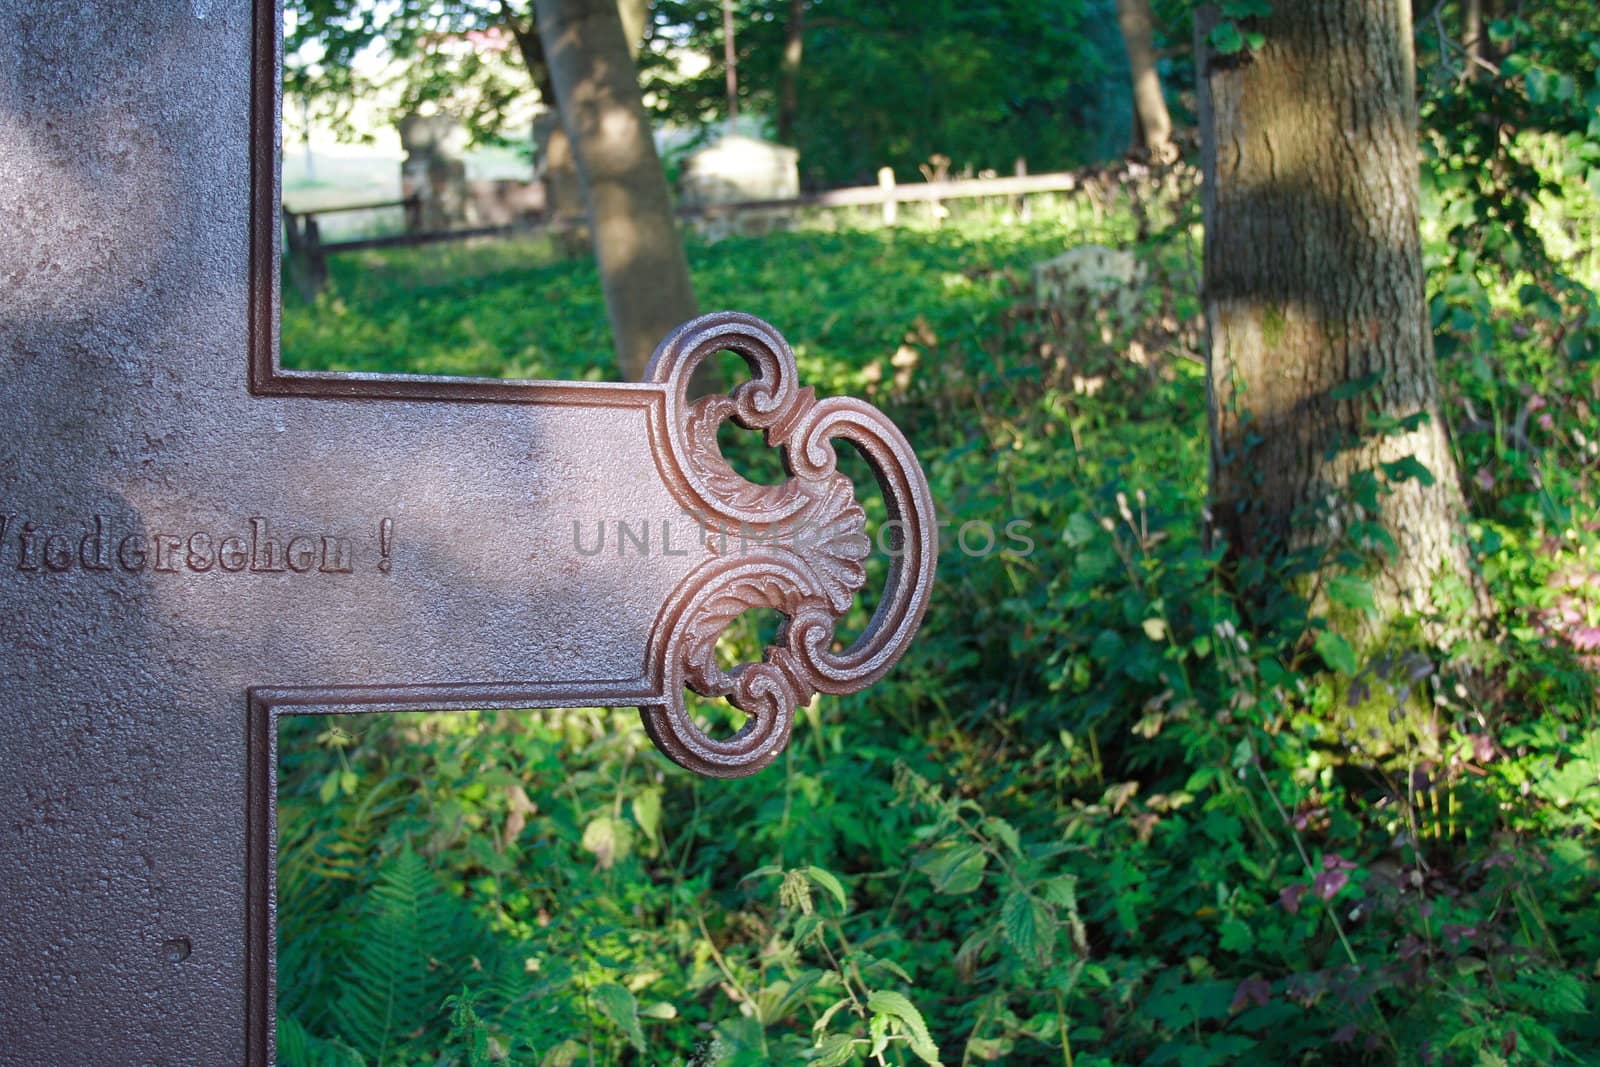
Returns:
point(1314, 298)
point(730, 63)
point(1152, 122)
point(562, 190)
point(1472, 36)
point(643, 271)
point(1492, 10)
point(794, 46)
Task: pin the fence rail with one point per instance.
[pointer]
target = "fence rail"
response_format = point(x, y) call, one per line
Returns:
point(887, 193)
point(307, 250)
point(412, 201)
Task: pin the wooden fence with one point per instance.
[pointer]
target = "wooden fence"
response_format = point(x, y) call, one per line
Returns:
point(308, 252)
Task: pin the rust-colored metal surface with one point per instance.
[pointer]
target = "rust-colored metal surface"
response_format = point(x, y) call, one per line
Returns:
point(195, 542)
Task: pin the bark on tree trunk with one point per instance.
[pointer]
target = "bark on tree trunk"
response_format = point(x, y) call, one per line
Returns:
point(794, 45)
point(634, 15)
point(730, 64)
point(559, 171)
point(1314, 297)
point(643, 271)
point(1152, 122)
point(1472, 32)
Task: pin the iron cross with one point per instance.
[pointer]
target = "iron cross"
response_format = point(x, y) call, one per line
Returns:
point(195, 541)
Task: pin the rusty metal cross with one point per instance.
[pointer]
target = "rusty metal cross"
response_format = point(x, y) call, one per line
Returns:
point(195, 541)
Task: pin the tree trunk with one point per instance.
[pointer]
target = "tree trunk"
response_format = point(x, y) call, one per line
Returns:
point(643, 271)
point(794, 45)
point(634, 15)
point(1152, 123)
point(1315, 307)
point(730, 64)
point(1472, 34)
point(557, 169)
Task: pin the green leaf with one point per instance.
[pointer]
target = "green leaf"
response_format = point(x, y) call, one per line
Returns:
point(1019, 920)
point(1081, 529)
point(647, 813)
point(885, 1002)
point(1029, 927)
point(1236, 936)
point(1355, 387)
point(1336, 652)
point(878, 1029)
point(1062, 891)
point(1353, 592)
point(954, 869)
point(763, 872)
point(821, 1025)
point(836, 1051)
point(565, 1054)
point(1226, 39)
point(832, 884)
point(609, 840)
point(617, 1004)
point(1246, 9)
point(999, 828)
point(1407, 467)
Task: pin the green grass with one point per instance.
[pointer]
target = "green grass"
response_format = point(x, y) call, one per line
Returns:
point(510, 308)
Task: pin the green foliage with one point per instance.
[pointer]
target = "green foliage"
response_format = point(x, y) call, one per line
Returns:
point(897, 83)
point(430, 65)
point(1098, 815)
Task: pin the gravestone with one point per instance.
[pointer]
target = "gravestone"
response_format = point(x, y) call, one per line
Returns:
point(433, 172)
point(736, 169)
point(195, 541)
point(1088, 278)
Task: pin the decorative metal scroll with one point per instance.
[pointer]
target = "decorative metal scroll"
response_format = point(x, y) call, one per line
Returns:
point(798, 547)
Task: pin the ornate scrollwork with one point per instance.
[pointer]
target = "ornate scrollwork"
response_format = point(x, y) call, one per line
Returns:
point(798, 547)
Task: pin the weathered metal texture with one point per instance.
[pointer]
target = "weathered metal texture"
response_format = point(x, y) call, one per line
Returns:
point(195, 542)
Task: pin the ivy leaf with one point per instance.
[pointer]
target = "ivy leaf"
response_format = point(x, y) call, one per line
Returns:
point(894, 1005)
point(1407, 467)
point(1336, 651)
point(1226, 39)
point(1236, 936)
point(1355, 387)
point(1246, 9)
point(617, 1004)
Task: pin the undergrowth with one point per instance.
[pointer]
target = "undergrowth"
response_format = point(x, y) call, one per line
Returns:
point(1097, 816)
